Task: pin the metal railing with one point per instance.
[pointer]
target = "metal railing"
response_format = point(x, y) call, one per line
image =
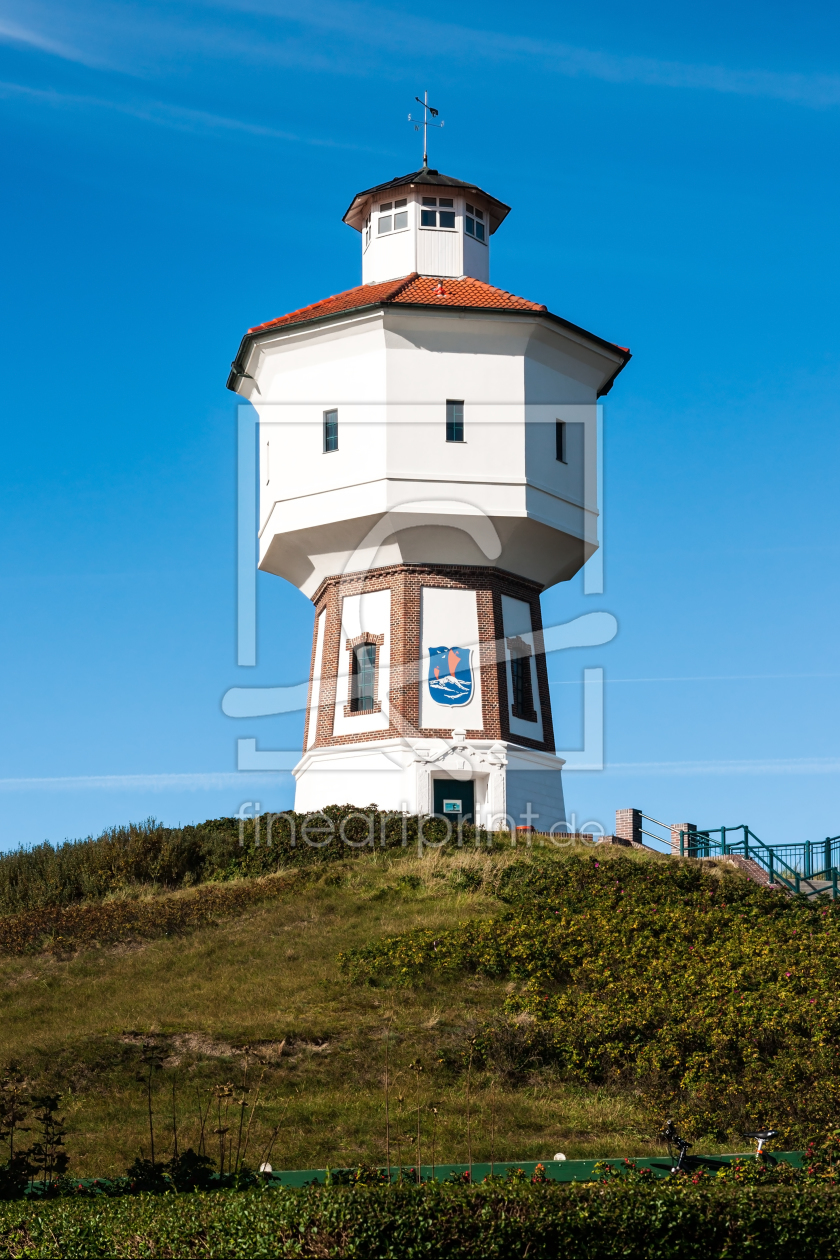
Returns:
point(785, 864)
point(666, 839)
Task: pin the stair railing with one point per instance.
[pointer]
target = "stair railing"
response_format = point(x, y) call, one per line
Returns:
point(785, 864)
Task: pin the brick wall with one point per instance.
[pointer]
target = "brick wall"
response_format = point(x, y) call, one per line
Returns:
point(405, 582)
point(676, 828)
point(628, 825)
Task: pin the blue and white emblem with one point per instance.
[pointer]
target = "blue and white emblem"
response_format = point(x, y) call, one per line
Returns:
point(450, 675)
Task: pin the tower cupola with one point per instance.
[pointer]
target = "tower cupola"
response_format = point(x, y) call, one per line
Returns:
point(425, 222)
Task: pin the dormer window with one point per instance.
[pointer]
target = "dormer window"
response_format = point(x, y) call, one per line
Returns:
point(443, 217)
point(395, 222)
point(474, 223)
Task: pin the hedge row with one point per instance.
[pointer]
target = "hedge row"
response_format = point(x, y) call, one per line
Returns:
point(624, 1218)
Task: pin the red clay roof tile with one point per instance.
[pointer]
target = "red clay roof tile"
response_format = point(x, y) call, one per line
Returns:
point(415, 290)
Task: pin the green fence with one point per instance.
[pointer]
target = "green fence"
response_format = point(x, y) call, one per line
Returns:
point(555, 1169)
point(812, 861)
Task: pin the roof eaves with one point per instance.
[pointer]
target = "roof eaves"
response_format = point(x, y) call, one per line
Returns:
point(263, 330)
point(545, 313)
point(236, 372)
point(422, 177)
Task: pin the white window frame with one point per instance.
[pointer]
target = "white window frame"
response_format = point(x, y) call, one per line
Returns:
point(484, 220)
point(394, 209)
point(452, 209)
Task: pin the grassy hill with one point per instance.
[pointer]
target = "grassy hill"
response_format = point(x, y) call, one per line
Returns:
point(529, 1000)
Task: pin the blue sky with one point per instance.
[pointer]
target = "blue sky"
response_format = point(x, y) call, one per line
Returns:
point(177, 172)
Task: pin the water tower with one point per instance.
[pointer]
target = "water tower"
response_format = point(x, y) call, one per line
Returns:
point(423, 478)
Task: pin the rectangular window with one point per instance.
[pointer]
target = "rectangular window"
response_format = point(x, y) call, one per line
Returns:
point(403, 201)
point(430, 201)
point(400, 220)
point(384, 223)
point(363, 677)
point(454, 420)
point(446, 201)
point(447, 218)
point(386, 205)
point(520, 677)
point(330, 431)
point(473, 225)
point(561, 441)
point(428, 218)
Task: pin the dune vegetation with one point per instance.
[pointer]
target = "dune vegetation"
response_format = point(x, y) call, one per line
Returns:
point(526, 999)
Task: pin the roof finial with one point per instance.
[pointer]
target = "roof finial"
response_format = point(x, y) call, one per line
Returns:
point(427, 109)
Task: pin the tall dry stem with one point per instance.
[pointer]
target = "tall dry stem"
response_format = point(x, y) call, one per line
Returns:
point(469, 1130)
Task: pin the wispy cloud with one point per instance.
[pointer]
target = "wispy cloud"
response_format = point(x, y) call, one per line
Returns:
point(214, 781)
point(162, 114)
point(14, 33)
point(578, 682)
point(222, 780)
point(373, 27)
point(359, 39)
point(787, 766)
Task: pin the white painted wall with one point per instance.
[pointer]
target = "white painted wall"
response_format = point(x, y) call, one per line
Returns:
point(399, 774)
point(439, 252)
point(498, 498)
point(516, 619)
point(449, 618)
point(543, 791)
point(367, 613)
point(316, 681)
point(476, 260)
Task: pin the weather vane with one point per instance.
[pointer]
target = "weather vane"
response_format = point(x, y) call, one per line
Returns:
point(427, 110)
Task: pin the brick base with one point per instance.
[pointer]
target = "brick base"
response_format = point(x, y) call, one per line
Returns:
point(405, 582)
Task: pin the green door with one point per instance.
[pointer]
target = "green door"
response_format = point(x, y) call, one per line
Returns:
point(455, 800)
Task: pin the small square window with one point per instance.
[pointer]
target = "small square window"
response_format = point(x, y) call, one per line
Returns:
point(470, 209)
point(330, 431)
point(479, 214)
point(469, 225)
point(446, 201)
point(454, 420)
point(400, 220)
point(430, 201)
point(386, 205)
point(402, 202)
point(447, 218)
point(384, 224)
point(428, 218)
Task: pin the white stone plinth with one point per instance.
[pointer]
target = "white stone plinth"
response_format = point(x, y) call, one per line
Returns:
point(513, 786)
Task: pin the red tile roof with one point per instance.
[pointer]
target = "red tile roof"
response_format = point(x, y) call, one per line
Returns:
point(414, 290)
point(418, 291)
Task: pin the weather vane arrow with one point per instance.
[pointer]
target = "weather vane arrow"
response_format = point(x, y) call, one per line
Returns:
point(428, 110)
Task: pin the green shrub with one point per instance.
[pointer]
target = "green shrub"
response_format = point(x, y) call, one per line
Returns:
point(626, 1217)
point(715, 997)
point(135, 856)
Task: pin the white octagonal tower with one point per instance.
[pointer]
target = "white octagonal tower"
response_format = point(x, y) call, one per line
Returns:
point(427, 468)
